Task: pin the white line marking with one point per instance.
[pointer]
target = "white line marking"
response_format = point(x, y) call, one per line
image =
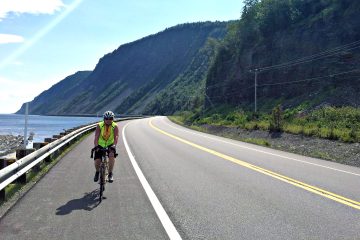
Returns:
point(253, 149)
point(161, 213)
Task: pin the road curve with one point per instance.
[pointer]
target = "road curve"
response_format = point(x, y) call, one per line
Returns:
point(209, 187)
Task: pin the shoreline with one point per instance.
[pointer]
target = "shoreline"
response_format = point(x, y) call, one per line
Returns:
point(9, 144)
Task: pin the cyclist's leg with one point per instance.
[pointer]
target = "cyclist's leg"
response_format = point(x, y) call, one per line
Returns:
point(97, 168)
point(97, 158)
point(97, 161)
point(97, 164)
point(111, 163)
point(112, 155)
point(111, 160)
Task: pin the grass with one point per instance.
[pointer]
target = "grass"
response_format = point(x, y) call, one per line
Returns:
point(257, 141)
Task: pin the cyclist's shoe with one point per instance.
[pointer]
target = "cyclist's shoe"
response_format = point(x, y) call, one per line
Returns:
point(110, 177)
point(96, 177)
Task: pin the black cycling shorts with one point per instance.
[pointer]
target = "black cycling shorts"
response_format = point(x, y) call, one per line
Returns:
point(98, 153)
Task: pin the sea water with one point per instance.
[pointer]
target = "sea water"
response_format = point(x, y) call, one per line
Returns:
point(41, 126)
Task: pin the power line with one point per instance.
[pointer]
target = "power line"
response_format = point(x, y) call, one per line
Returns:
point(318, 56)
point(309, 79)
point(311, 58)
point(291, 82)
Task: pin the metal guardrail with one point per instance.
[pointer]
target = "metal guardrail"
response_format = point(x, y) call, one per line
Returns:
point(21, 166)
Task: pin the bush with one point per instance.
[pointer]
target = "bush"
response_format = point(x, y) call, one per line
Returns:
point(310, 130)
point(251, 125)
point(263, 125)
point(293, 128)
point(324, 132)
point(276, 121)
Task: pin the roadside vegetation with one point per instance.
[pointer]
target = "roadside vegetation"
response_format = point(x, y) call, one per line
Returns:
point(327, 122)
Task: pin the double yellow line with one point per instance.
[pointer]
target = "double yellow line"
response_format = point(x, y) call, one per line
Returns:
point(310, 188)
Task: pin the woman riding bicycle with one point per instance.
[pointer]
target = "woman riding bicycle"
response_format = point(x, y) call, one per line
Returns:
point(106, 135)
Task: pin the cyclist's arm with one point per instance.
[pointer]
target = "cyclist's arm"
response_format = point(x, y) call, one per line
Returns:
point(116, 135)
point(97, 135)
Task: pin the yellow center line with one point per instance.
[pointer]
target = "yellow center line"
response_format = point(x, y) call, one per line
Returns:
point(310, 188)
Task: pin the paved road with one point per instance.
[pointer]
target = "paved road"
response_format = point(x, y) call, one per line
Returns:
point(210, 188)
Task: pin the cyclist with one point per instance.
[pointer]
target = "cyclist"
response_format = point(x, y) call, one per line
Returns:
point(106, 135)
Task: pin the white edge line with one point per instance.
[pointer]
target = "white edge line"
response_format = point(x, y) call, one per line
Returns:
point(253, 149)
point(161, 213)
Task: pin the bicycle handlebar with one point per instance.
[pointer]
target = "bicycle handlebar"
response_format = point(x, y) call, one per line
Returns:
point(104, 150)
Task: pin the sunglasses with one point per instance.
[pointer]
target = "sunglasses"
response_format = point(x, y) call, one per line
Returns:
point(108, 118)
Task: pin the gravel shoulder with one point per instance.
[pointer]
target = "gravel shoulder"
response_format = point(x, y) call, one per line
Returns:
point(336, 151)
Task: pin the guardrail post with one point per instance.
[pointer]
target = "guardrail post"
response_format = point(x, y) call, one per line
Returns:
point(39, 145)
point(20, 153)
point(2, 194)
point(3, 164)
point(47, 141)
point(48, 159)
point(55, 154)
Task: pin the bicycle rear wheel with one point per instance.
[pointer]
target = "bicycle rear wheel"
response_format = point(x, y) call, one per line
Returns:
point(101, 182)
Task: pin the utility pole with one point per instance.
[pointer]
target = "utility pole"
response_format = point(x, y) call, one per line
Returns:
point(26, 123)
point(255, 88)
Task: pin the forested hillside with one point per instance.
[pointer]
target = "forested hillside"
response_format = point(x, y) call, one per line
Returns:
point(130, 77)
point(302, 50)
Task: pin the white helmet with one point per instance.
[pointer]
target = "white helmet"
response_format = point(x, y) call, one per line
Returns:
point(109, 114)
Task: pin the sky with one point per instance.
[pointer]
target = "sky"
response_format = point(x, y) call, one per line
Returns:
point(44, 41)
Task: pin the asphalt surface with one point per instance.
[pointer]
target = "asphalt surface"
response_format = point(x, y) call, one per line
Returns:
point(204, 183)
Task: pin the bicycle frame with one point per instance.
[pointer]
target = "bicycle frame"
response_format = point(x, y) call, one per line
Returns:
point(103, 170)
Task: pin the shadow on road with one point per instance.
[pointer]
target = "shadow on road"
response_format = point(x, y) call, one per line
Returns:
point(88, 202)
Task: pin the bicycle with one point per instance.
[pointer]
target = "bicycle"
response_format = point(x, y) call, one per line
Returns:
point(103, 170)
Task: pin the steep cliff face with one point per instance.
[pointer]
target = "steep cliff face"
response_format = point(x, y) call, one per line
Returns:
point(186, 92)
point(325, 37)
point(129, 77)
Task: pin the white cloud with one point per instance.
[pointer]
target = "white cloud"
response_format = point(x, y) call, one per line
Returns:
point(14, 93)
point(29, 6)
point(10, 38)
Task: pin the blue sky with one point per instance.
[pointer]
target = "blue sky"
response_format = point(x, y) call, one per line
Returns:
point(43, 41)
